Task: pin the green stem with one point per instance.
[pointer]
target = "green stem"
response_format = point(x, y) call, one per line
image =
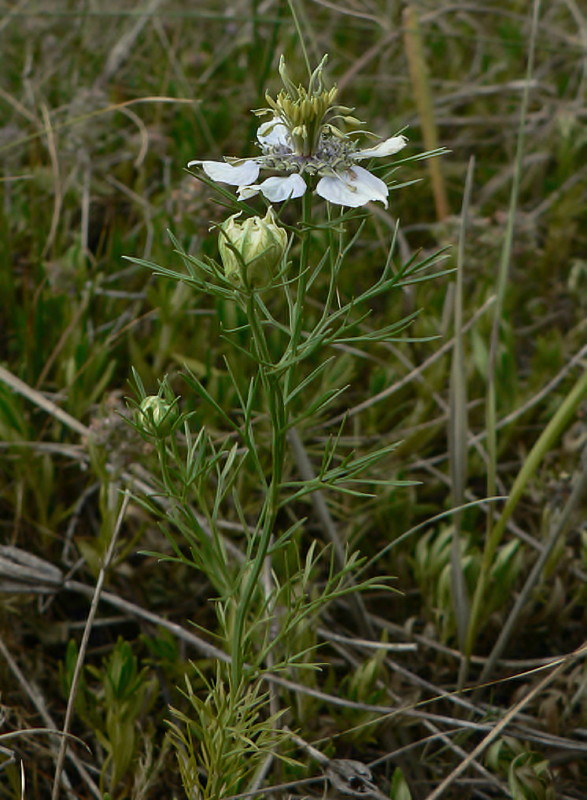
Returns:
point(300, 34)
point(275, 386)
point(297, 314)
point(274, 394)
point(163, 457)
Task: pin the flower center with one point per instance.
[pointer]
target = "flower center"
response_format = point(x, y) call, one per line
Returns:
point(331, 155)
point(304, 117)
point(309, 116)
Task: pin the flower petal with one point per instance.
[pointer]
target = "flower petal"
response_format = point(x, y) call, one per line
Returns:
point(220, 171)
point(274, 134)
point(386, 148)
point(354, 187)
point(278, 189)
point(244, 192)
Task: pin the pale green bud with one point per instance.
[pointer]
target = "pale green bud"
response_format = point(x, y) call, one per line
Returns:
point(251, 250)
point(156, 415)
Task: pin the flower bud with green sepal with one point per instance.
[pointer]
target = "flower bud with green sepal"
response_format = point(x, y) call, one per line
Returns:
point(157, 416)
point(251, 250)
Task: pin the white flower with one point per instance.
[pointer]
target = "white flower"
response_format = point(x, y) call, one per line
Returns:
point(303, 139)
point(341, 180)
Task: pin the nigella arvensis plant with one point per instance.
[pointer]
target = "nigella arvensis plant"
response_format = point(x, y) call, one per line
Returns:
point(239, 456)
point(306, 140)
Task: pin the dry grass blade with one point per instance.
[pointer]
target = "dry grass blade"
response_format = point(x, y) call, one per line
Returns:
point(423, 96)
point(506, 721)
point(123, 48)
point(40, 400)
point(321, 509)
point(84, 644)
point(384, 394)
point(458, 426)
point(36, 698)
point(558, 529)
point(491, 400)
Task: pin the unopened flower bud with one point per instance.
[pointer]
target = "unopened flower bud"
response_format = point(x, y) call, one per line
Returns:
point(157, 416)
point(251, 250)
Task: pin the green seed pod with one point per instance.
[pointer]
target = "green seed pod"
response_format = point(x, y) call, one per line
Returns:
point(251, 250)
point(157, 416)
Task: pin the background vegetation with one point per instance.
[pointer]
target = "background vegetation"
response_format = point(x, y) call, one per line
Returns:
point(101, 108)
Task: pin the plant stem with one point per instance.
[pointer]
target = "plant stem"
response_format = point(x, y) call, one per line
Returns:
point(275, 386)
point(274, 393)
point(297, 312)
